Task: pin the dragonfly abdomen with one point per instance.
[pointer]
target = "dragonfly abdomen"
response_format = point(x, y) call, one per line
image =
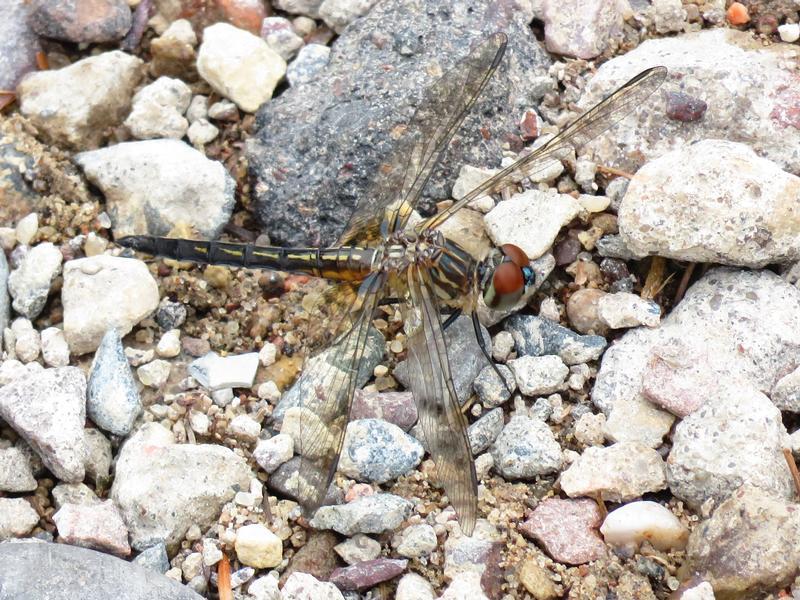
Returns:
point(346, 263)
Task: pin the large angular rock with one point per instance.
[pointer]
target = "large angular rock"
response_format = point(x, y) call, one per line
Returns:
point(714, 201)
point(162, 488)
point(319, 145)
point(721, 66)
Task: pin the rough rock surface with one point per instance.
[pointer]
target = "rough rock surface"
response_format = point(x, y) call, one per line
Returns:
point(333, 133)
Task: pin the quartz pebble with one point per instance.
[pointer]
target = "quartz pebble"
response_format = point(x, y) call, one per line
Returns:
point(789, 32)
point(239, 65)
point(272, 453)
point(26, 228)
point(537, 375)
point(201, 132)
point(258, 547)
point(154, 374)
point(620, 473)
point(169, 346)
point(215, 372)
point(633, 523)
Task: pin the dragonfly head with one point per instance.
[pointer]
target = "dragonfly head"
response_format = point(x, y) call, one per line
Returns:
point(506, 277)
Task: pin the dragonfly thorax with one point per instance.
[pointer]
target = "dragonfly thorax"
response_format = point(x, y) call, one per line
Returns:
point(405, 248)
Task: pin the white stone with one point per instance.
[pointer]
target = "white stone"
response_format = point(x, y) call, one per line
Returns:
point(621, 472)
point(267, 354)
point(581, 28)
point(29, 284)
point(17, 518)
point(633, 523)
point(102, 292)
point(416, 541)
point(55, 349)
point(26, 228)
point(158, 110)
point(199, 422)
point(269, 391)
point(668, 15)
point(154, 185)
point(74, 105)
point(302, 586)
point(358, 548)
point(538, 375)
point(531, 220)
point(789, 32)
point(256, 546)
point(169, 346)
point(244, 428)
point(27, 342)
point(198, 108)
point(154, 374)
point(714, 201)
point(623, 309)
point(265, 588)
point(181, 30)
point(215, 372)
point(201, 132)
point(16, 474)
point(414, 587)
point(239, 65)
point(94, 244)
point(272, 453)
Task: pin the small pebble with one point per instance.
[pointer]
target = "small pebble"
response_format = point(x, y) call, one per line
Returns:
point(633, 523)
point(169, 346)
point(154, 374)
point(358, 548)
point(272, 453)
point(26, 228)
point(789, 32)
point(258, 547)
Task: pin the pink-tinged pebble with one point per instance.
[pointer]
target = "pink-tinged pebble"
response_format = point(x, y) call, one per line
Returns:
point(567, 529)
point(97, 526)
point(358, 490)
point(397, 408)
point(679, 388)
point(367, 574)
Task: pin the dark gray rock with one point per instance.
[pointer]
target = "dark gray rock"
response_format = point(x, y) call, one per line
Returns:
point(490, 388)
point(113, 401)
point(319, 145)
point(40, 571)
point(466, 358)
point(18, 44)
point(5, 300)
point(537, 336)
point(483, 432)
point(154, 558)
point(284, 481)
point(81, 21)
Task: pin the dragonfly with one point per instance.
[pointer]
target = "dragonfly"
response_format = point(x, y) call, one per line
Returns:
point(382, 257)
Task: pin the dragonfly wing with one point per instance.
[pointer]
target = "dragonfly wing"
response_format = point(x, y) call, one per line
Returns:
point(443, 423)
point(318, 423)
point(400, 182)
point(589, 125)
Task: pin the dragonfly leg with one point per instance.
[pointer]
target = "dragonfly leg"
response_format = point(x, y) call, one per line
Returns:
point(386, 301)
point(476, 325)
point(450, 319)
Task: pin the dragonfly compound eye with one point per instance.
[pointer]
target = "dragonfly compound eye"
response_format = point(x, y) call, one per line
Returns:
point(510, 278)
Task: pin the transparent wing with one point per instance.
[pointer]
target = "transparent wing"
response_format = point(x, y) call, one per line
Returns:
point(443, 423)
point(318, 423)
point(402, 178)
point(588, 126)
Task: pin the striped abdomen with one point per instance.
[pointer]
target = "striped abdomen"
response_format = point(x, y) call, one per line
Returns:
point(347, 263)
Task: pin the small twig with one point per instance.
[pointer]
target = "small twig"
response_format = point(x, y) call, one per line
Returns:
point(41, 61)
point(613, 171)
point(687, 275)
point(598, 497)
point(140, 17)
point(655, 278)
point(787, 454)
point(224, 579)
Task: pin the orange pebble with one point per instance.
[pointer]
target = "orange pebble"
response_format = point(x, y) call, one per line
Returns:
point(737, 14)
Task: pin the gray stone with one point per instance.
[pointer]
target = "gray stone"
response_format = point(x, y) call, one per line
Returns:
point(162, 488)
point(272, 453)
point(309, 64)
point(81, 22)
point(338, 14)
point(73, 493)
point(48, 410)
point(154, 185)
point(281, 37)
point(16, 474)
point(624, 309)
point(369, 514)
point(158, 110)
point(491, 390)
point(34, 569)
point(538, 336)
point(539, 375)
point(350, 112)
point(154, 558)
point(358, 548)
point(376, 451)
point(416, 541)
point(18, 44)
point(483, 432)
point(526, 448)
point(29, 284)
point(113, 401)
point(75, 106)
point(98, 456)
point(735, 438)
point(5, 300)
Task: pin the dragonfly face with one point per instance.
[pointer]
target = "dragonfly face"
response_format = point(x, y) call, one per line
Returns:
point(376, 257)
point(506, 278)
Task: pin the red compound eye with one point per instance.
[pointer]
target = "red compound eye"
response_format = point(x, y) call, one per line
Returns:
point(508, 278)
point(516, 254)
